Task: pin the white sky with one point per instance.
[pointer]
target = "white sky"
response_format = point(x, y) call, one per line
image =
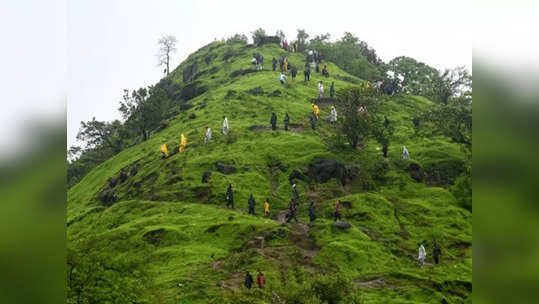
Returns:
point(112, 44)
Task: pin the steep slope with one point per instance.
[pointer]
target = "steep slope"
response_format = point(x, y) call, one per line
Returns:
point(169, 228)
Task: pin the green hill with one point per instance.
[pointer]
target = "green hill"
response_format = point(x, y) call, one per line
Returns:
point(169, 238)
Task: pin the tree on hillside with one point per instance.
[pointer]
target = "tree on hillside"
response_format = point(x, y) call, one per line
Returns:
point(280, 34)
point(452, 83)
point(302, 37)
point(382, 130)
point(415, 77)
point(258, 36)
point(357, 125)
point(144, 109)
point(167, 46)
point(453, 120)
point(97, 133)
point(237, 38)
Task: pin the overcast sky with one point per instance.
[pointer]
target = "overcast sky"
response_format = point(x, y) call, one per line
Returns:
point(112, 44)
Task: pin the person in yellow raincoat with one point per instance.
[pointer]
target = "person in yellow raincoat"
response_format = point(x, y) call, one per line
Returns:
point(316, 110)
point(368, 85)
point(285, 64)
point(183, 142)
point(266, 208)
point(164, 151)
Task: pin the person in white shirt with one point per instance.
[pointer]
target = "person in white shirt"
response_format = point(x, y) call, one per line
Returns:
point(225, 126)
point(208, 135)
point(421, 255)
point(405, 154)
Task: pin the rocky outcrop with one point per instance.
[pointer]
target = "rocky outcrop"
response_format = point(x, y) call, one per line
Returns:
point(225, 169)
point(323, 170)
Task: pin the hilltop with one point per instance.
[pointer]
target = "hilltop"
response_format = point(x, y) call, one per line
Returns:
point(168, 238)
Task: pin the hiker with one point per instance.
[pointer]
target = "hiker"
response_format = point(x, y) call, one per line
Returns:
point(295, 190)
point(313, 121)
point(320, 90)
point(266, 208)
point(333, 115)
point(285, 45)
point(332, 89)
point(325, 71)
point(337, 211)
point(307, 73)
point(164, 151)
point(436, 252)
point(225, 125)
point(281, 63)
point(252, 204)
point(294, 72)
point(229, 197)
point(260, 280)
point(123, 175)
point(285, 64)
point(282, 78)
point(207, 139)
point(421, 255)
point(312, 214)
point(316, 110)
point(259, 62)
point(286, 121)
point(273, 121)
point(292, 208)
point(405, 154)
point(248, 280)
point(183, 142)
point(386, 121)
point(273, 64)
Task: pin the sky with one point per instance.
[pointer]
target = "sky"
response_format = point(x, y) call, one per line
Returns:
point(112, 45)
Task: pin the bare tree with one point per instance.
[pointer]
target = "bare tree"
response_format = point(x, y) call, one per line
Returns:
point(167, 45)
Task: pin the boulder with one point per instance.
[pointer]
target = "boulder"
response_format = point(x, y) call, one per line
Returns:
point(325, 169)
point(255, 91)
point(342, 225)
point(225, 169)
point(416, 172)
point(107, 197)
point(206, 176)
point(275, 93)
point(296, 174)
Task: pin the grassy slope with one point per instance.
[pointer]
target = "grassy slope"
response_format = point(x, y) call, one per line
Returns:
point(167, 197)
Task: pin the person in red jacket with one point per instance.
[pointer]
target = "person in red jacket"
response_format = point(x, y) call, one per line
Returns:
point(338, 211)
point(260, 279)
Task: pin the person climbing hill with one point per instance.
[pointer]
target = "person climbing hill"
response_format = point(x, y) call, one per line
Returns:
point(294, 72)
point(295, 191)
point(292, 208)
point(312, 213)
point(282, 78)
point(333, 115)
point(313, 121)
point(307, 73)
point(421, 255)
point(332, 89)
point(273, 121)
point(405, 154)
point(229, 197)
point(207, 139)
point(316, 110)
point(320, 90)
point(164, 151)
point(248, 280)
point(183, 143)
point(274, 64)
point(285, 64)
point(252, 204)
point(337, 211)
point(260, 279)
point(286, 121)
point(436, 252)
point(325, 71)
point(266, 208)
point(225, 125)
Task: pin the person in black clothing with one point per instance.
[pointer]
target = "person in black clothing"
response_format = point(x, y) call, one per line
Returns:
point(252, 204)
point(307, 73)
point(332, 89)
point(123, 175)
point(386, 121)
point(313, 121)
point(273, 121)
point(229, 197)
point(312, 214)
point(248, 280)
point(437, 251)
point(294, 72)
point(325, 71)
point(281, 64)
point(295, 190)
point(292, 207)
point(274, 64)
point(286, 121)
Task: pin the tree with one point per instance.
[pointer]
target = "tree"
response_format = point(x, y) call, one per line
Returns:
point(415, 77)
point(167, 46)
point(258, 36)
point(237, 38)
point(97, 133)
point(452, 83)
point(280, 34)
point(382, 131)
point(453, 120)
point(302, 39)
point(356, 125)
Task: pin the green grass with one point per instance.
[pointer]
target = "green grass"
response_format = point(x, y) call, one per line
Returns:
point(170, 228)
